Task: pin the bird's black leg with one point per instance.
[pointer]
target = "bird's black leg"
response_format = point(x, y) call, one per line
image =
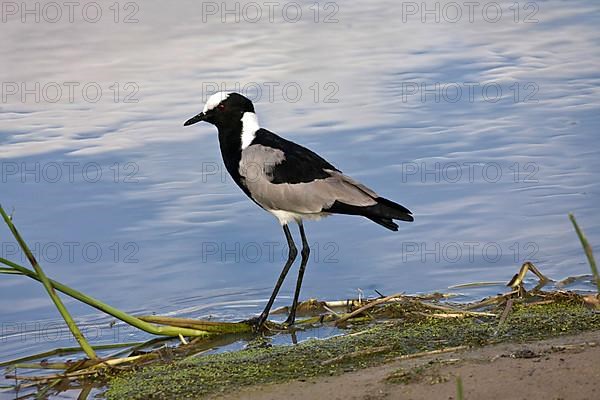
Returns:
point(293, 252)
point(305, 253)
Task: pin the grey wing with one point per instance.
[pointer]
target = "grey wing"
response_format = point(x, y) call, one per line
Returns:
point(256, 166)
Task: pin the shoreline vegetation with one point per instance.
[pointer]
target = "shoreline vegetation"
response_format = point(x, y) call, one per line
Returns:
point(407, 332)
point(376, 332)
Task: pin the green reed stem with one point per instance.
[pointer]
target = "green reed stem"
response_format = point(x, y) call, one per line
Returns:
point(85, 346)
point(459, 389)
point(587, 249)
point(97, 304)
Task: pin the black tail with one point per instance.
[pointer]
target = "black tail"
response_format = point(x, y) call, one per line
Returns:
point(382, 213)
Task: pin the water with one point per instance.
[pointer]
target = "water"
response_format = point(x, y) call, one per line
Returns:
point(121, 202)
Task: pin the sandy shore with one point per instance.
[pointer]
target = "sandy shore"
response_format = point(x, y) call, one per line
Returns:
point(560, 368)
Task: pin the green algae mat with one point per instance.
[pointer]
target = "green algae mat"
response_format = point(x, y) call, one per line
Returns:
point(404, 332)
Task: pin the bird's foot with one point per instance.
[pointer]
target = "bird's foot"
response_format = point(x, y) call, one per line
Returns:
point(289, 322)
point(257, 323)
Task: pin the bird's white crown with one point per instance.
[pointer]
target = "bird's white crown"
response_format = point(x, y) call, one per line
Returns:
point(214, 100)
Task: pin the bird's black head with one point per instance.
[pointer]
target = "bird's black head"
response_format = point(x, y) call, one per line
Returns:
point(223, 109)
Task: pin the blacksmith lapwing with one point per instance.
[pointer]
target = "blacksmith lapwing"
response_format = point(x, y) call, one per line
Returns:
point(288, 180)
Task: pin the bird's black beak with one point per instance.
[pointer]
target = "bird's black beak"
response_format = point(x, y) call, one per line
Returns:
point(197, 118)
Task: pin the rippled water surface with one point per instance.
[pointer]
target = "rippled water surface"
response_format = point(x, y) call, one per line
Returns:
point(487, 131)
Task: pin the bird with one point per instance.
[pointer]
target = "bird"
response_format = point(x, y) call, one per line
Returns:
point(289, 181)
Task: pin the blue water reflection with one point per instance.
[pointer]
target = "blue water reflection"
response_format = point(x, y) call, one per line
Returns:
point(123, 203)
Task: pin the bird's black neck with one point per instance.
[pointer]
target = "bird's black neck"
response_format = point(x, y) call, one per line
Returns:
point(230, 142)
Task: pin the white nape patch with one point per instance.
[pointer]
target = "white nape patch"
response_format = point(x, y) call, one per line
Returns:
point(249, 128)
point(214, 100)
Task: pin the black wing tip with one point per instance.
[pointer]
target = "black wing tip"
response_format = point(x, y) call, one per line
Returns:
point(393, 204)
point(383, 213)
point(386, 223)
point(408, 218)
point(394, 211)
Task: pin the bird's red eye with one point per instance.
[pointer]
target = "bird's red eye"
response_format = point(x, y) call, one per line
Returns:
point(221, 107)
